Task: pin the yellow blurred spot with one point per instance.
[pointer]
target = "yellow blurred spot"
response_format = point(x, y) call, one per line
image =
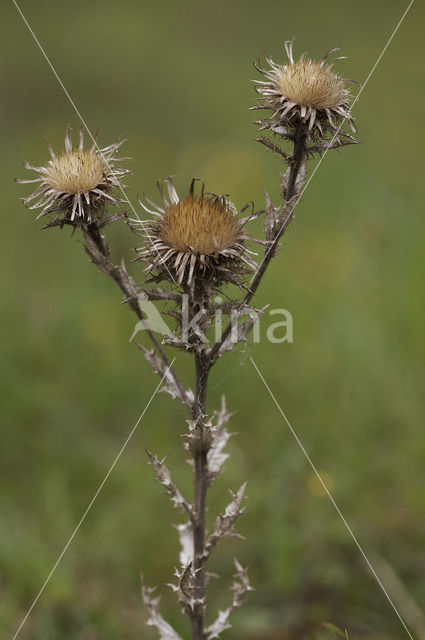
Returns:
point(316, 488)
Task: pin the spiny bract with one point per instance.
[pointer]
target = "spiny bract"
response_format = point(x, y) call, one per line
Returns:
point(79, 182)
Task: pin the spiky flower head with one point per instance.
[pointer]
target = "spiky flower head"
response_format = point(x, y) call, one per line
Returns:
point(79, 182)
point(199, 239)
point(304, 93)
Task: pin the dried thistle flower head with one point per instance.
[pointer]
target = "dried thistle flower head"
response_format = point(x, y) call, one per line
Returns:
point(305, 93)
point(200, 237)
point(79, 182)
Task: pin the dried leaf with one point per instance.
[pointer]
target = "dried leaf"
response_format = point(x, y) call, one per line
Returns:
point(185, 590)
point(273, 147)
point(165, 630)
point(273, 215)
point(198, 437)
point(240, 588)
point(178, 342)
point(186, 543)
point(169, 385)
point(161, 294)
point(216, 455)
point(240, 330)
point(225, 524)
point(285, 133)
point(335, 143)
point(164, 477)
point(221, 624)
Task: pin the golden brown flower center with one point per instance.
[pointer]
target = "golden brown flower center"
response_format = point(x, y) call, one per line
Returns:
point(205, 225)
point(307, 83)
point(76, 171)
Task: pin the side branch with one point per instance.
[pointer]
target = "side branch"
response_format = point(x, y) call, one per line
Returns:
point(225, 524)
point(292, 183)
point(98, 251)
point(240, 587)
point(165, 630)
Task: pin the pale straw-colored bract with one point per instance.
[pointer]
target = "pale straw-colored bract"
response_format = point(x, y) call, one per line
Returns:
point(305, 92)
point(199, 238)
point(79, 182)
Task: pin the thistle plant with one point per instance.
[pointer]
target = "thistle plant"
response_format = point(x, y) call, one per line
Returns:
point(191, 249)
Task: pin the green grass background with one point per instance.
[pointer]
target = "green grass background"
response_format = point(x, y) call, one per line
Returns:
point(174, 79)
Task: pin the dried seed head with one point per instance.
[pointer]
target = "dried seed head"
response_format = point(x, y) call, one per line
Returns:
point(311, 84)
point(204, 225)
point(306, 94)
point(75, 172)
point(198, 238)
point(79, 183)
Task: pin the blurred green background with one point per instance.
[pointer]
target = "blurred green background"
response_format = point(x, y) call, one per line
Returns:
point(174, 79)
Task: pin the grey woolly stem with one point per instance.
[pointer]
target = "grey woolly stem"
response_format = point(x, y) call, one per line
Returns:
point(98, 250)
point(200, 491)
point(295, 164)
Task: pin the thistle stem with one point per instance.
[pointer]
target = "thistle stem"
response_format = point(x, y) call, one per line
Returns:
point(201, 371)
point(198, 543)
point(200, 491)
point(295, 164)
point(203, 365)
